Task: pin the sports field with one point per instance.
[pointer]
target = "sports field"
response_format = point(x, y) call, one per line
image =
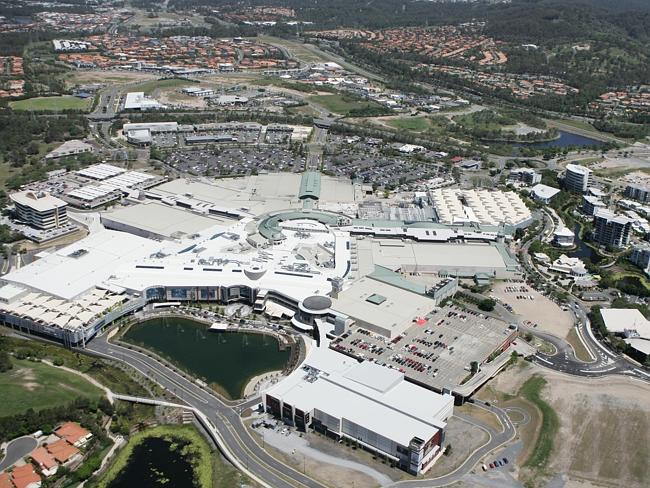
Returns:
point(52, 104)
point(38, 385)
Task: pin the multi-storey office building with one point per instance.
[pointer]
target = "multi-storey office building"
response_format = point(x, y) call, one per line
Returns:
point(40, 210)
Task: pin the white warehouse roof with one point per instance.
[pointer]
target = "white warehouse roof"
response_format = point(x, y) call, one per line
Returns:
point(366, 394)
point(484, 206)
point(75, 269)
point(625, 320)
point(101, 171)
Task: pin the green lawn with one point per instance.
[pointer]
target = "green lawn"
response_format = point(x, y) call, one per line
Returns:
point(531, 390)
point(52, 104)
point(416, 124)
point(37, 385)
point(149, 86)
point(342, 104)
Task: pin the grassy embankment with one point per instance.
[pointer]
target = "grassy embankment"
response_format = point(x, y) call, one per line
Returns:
point(531, 390)
point(37, 385)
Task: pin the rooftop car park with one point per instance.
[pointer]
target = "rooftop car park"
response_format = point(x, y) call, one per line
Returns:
point(437, 350)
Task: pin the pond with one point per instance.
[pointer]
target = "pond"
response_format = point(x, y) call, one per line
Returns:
point(157, 462)
point(566, 139)
point(227, 360)
point(583, 251)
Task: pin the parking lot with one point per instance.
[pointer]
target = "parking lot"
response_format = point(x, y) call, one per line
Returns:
point(523, 300)
point(437, 352)
point(234, 161)
point(374, 164)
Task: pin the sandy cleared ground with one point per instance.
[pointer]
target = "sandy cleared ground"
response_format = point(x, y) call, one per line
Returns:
point(605, 429)
point(622, 163)
point(108, 76)
point(548, 316)
point(604, 437)
point(173, 97)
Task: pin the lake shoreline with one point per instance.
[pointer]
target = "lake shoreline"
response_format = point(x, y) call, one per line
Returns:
point(242, 357)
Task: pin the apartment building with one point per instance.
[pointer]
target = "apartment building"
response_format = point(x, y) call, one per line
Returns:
point(577, 178)
point(611, 229)
point(637, 192)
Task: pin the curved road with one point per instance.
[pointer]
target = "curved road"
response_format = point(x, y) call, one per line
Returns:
point(17, 449)
point(226, 419)
point(496, 440)
point(228, 422)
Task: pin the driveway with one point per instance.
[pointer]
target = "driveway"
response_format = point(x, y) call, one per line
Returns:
point(17, 449)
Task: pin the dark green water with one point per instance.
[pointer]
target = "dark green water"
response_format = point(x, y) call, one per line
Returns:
point(228, 359)
point(154, 464)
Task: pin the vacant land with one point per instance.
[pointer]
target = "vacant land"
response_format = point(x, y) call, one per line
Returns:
point(108, 77)
point(342, 104)
point(149, 86)
point(603, 425)
point(52, 104)
point(149, 21)
point(296, 50)
point(605, 429)
point(415, 124)
point(531, 390)
point(37, 385)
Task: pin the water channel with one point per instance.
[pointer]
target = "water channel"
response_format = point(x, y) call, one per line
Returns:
point(227, 360)
point(583, 251)
point(566, 139)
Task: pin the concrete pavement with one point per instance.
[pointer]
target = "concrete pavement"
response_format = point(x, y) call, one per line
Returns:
point(17, 449)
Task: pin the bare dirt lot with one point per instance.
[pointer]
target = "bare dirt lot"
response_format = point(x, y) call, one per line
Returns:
point(108, 77)
point(173, 97)
point(604, 436)
point(548, 316)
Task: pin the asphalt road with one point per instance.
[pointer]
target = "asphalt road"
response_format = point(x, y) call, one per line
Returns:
point(497, 439)
point(17, 449)
point(606, 363)
point(225, 418)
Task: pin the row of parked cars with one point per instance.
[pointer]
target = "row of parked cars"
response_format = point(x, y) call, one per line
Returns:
point(495, 464)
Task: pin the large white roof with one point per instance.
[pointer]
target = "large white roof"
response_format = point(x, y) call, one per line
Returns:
point(490, 207)
point(367, 394)
point(383, 305)
point(101, 171)
point(620, 320)
point(75, 269)
point(162, 219)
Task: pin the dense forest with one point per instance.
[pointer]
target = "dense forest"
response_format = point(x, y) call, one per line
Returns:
point(547, 18)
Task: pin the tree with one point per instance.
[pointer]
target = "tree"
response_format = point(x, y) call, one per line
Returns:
point(5, 362)
point(487, 304)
